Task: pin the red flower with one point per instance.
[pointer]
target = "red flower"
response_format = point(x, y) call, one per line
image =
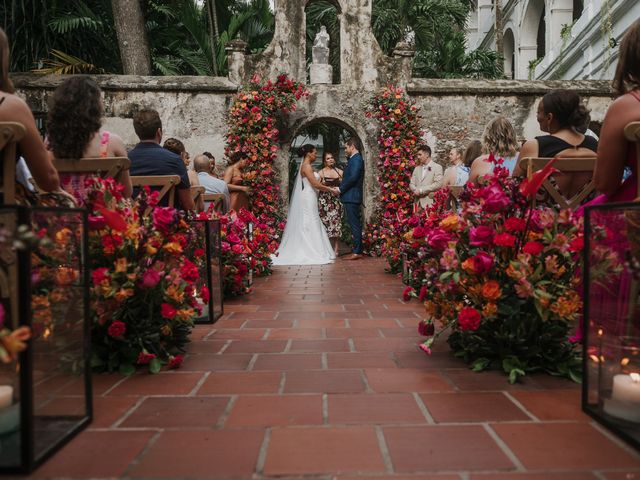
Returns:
point(189, 271)
point(168, 311)
point(163, 218)
point(100, 274)
point(426, 329)
point(515, 224)
point(406, 295)
point(439, 239)
point(469, 319)
point(175, 361)
point(504, 240)
point(423, 293)
point(533, 248)
point(114, 220)
point(529, 187)
point(577, 245)
point(117, 329)
point(144, 358)
point(495, 200)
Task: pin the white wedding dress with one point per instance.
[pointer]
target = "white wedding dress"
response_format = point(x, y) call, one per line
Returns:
point(305, 240)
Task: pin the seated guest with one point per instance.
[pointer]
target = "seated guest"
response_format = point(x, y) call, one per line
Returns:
point(562, 115)
point(499, 139)
point(458, 173)
point(176, 146)
point(233, 178)
point(426, 178)
point(211, 184)
point(149, 158)
point(14, 109)
point(212, 164)
point(74, 131)
point(615, 152)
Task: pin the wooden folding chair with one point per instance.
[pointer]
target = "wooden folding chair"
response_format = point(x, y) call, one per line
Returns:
point(454, 194)
point(10, 134)
point(167, 184)
point(197, 194)
point(217, 199)
point(104, 167)
point(564, 165)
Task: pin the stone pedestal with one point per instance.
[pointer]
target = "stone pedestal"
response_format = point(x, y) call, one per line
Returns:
point(320, 73)
point(235, 50)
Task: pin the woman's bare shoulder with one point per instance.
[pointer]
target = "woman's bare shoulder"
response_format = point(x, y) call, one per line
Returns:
point(14, 109)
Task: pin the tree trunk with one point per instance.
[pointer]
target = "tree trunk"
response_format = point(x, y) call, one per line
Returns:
point(214, 34)
point(132, 37)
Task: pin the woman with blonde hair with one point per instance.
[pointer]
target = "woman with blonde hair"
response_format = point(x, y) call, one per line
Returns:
point(499, 139)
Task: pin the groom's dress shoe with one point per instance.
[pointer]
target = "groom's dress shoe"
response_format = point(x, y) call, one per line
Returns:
point(353, 256)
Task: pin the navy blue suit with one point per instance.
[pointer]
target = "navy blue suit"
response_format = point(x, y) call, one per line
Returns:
point(351, 197)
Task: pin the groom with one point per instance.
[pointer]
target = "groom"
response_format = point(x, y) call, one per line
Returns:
point(351, 195)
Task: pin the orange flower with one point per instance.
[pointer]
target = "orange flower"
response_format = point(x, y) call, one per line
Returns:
point(123, 294)
point(491, 290)
point(151, 250)
point(567, 306)
point(185, 314)
point(174, 293)
point(63, 235)
point(489, 310)
point(66, 276)
point(173, 247)
point(121, 265)
point(468, 265)
point(450, 223)
point(166, 330)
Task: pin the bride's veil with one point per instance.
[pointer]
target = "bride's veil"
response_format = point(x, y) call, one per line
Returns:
point(295, 214)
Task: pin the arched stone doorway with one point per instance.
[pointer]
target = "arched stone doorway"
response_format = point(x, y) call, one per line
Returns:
point(288, 150)
point(529, 27)
point(509, 54)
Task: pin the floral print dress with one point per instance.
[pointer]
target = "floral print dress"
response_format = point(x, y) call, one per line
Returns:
point(330, 207)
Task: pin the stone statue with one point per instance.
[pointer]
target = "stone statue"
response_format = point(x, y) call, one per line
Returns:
point(320, 50)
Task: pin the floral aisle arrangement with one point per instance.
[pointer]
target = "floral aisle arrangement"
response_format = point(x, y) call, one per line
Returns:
point(398, 138)
point(502, 278)
point(143, 284)
point(253, 120)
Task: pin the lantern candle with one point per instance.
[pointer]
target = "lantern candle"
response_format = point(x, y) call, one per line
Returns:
point(625, 397)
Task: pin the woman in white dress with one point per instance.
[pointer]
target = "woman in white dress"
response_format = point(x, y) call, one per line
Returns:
point(305, 240)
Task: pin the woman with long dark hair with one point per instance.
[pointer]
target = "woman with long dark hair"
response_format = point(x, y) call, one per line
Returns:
point(328, 203)
point(74, 130)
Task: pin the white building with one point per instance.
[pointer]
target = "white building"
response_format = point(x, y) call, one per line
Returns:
point(554, 39)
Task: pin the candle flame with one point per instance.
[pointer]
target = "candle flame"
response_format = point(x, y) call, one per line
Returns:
point(635, 377)
point(600, 332)
point(624, 362)
point(594, 358)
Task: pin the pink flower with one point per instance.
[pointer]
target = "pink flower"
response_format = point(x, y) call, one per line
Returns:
point(96, 222)
point(168, 311)
point(482, 262)
point(163, 218)
point(237, 249)
point(1, 315)
point(151, 278)
point(495, 200)
point(204, 294)
point(233, 238)
point(418, 233)
point(439, 239)
point(481, 236)
point(449, 259)
point(425, 348)
point(423, 293)
point(117, 329)
point(469, 319)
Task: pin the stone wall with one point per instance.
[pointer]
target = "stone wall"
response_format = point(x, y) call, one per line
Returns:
point(194, 109)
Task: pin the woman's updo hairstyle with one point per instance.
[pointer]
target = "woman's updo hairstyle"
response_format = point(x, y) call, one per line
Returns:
point(566, 107)
point(305, 149)
point(235, 157)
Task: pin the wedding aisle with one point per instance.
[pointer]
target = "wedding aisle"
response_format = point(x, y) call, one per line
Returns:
point(317, 374)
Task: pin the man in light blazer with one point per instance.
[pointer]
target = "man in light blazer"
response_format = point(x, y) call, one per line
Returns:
point(426, 177)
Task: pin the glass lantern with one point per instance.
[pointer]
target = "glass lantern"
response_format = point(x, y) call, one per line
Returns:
point(45, 393)
point(205, 252)
point(611, 325)
point(216, 290)
point(249, 278)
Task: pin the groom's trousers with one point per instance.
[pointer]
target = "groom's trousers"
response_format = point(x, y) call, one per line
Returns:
point(355, 222)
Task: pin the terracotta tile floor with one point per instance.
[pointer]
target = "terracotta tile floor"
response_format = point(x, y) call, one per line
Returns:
point(316, 374)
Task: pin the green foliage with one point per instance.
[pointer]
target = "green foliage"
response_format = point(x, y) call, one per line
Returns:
point(519, 344)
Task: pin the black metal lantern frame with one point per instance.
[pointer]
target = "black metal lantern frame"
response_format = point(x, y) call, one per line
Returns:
point(249, 278)
point(48, 396)
point(207, 238)
point(611, 320)
point(407, 272)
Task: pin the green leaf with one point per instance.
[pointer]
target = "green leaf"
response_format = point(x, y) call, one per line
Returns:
point(155, 365)
point(127, 369)
point(480, 364)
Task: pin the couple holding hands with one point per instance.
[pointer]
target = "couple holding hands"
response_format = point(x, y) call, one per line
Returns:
point(305, 240)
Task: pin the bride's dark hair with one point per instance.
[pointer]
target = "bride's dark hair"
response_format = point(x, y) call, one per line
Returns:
point(304, 149)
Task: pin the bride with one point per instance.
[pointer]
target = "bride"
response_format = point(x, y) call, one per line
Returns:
point(305, 240)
